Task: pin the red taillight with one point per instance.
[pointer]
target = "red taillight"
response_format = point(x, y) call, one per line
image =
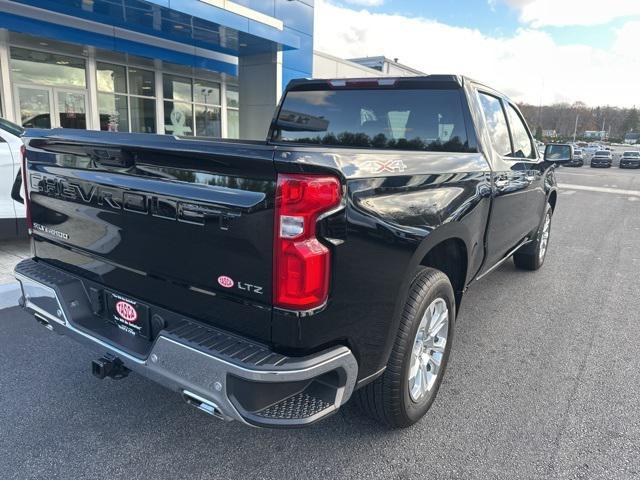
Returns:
point(301, 264)
point(25, 178)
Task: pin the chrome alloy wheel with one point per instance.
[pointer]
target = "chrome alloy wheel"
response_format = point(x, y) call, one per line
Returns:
point(544, 240)
point(428, 349)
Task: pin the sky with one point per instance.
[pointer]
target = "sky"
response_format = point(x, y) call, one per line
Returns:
point(535, 51)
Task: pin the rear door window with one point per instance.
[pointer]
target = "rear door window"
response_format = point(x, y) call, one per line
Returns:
point(522, 141)
point(496, 123)
point(405, 119)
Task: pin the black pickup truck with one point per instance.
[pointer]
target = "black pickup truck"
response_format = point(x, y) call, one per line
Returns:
point(269, 282)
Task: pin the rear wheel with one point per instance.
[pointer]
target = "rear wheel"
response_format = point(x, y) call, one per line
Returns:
point(531, 256)
point(410, 383)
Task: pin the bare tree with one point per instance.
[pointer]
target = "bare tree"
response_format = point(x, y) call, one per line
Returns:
point(561, 117)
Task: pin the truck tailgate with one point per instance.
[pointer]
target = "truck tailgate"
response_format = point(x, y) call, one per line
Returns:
point(162, 219)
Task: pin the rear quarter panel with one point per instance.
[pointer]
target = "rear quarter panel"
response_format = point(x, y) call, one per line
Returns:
point(389, 222)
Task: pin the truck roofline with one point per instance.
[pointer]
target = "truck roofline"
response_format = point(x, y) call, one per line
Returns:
point(458, 80)
point(455, 80)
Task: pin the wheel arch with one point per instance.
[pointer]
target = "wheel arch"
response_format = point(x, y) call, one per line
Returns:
point(447, 248)
point(450, 256)
point(445, 239)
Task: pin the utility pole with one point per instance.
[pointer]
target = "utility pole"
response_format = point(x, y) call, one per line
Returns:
point(575, 129)
point(540, 103)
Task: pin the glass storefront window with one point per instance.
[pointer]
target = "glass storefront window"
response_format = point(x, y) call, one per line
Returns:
point(51, 69)
point(111, 78)
point(206, 92)
point(233, 123)
point(198, 106)
point(233, 96)
point(178, 118)
point(143, 114)
point(177, 88)
point(51, 90)
point(72, 109)
point(208, 121)
point(118, 108)
point(114, 112)
point(141, 82)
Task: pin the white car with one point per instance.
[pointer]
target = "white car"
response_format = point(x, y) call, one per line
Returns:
point(12, 213)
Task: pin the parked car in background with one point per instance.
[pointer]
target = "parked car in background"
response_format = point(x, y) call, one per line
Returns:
point(590, 150)
point(602, 158)
point(630, 159)
point(578, 159)
point(12, 213)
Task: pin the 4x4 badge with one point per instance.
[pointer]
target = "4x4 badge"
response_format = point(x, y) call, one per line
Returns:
point(377, 166)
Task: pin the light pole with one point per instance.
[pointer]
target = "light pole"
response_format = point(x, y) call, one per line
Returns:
point(575, 129)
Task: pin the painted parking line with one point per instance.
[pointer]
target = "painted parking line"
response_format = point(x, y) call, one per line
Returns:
point(616, 191)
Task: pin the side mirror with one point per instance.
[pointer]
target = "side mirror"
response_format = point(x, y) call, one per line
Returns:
point(558, 153)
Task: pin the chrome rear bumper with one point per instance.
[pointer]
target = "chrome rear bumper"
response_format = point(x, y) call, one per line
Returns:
point(261, 388)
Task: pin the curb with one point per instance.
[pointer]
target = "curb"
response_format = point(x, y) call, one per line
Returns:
point(9, 295)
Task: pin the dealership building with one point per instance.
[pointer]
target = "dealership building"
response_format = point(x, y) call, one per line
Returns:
point(211, 68)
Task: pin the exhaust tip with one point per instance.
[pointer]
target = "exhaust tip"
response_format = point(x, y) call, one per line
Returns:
point(207, 406)
point(43, 321)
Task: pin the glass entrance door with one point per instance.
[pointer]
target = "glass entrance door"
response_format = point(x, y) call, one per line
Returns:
point(51, 107)
point(34, 107)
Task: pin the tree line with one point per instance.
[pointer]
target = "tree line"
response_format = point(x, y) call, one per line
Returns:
point(561, 117)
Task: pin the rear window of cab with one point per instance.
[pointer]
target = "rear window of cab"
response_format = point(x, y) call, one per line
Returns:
point(402, 119)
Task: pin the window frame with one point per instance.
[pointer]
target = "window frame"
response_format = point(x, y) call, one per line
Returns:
point(534, 151)
point(501, 101)
point(193, 79)
point(128, 93)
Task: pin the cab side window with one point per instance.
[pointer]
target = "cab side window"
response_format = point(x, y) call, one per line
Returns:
point(496, 123)
point(522, 142)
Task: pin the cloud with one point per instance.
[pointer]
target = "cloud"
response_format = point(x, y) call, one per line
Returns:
point(528, 66)
point(557, 13)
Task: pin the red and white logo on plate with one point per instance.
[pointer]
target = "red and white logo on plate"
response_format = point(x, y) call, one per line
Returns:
point(225, 281)
point(126, 311)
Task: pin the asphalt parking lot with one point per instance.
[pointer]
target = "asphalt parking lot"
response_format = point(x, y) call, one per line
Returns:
point(544, 382)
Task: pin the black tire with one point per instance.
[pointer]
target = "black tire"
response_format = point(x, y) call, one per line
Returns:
point(529, 257)
point(387, 399)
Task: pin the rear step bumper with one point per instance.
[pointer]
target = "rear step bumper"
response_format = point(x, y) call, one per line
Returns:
point(222, 374)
